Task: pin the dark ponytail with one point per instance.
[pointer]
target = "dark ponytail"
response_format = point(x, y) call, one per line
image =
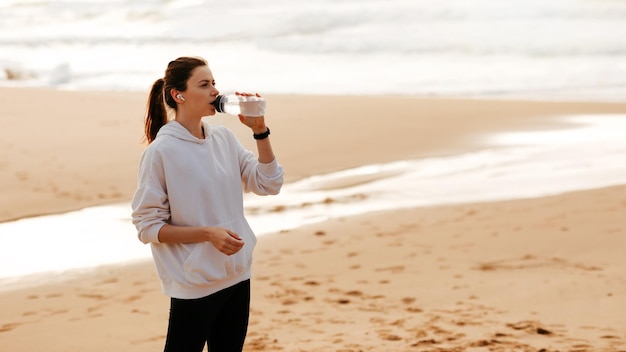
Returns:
point(176, 76)
point(156, 116)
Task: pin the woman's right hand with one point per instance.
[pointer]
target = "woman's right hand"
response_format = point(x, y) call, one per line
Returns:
point(226, 241)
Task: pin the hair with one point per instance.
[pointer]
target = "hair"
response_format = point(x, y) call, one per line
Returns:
point(176, 76)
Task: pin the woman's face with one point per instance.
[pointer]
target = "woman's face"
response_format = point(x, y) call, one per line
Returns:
point(201, 92)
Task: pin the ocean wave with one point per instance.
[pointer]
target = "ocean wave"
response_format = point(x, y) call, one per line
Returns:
point(343, 43)
point(464, 47)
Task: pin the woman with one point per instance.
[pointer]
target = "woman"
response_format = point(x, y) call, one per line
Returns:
point(189, 207)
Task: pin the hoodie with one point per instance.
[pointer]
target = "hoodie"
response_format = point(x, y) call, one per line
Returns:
point(187, 181)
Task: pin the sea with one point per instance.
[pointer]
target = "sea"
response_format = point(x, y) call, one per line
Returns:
point(532, 49)
point(556, 49)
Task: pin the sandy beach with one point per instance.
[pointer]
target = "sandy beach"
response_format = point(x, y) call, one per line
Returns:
point(543, 274)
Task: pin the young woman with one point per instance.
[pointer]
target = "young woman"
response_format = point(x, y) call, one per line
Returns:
point(189, 206)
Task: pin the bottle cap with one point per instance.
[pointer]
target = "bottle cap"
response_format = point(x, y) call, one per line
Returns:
point(218, 103)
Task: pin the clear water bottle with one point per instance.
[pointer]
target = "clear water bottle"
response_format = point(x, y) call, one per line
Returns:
point(233, 104)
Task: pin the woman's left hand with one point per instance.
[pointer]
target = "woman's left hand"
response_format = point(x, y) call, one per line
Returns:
point(256, 123)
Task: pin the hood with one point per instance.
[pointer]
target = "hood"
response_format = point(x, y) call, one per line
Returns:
point(175, 129)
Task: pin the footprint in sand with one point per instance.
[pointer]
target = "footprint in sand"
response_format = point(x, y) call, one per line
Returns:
point(263, 343)
point(354, 293)
point(138, 311)
point(93, 309)
point(112, 280)
point(95, 296)
point(408, 300)
point(388, 336)
point(8, 327)
point(414, 310)
point(530, 327)
point(609, 337)
point(530, 262)
point(150, 339)
point(393, 269)
point(131, 299)
point(424, 342)
point(288, 302)
point(22, 176)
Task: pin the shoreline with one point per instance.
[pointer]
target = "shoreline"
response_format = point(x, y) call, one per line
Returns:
point(72, 168)
point(431, 182)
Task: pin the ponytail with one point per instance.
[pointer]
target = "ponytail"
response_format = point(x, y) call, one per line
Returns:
point(156, 115)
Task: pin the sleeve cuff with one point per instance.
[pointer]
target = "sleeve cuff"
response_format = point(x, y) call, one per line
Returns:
point(269, 169)
point(152, 234)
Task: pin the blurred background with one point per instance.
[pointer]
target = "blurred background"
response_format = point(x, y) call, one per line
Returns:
point(536, 49)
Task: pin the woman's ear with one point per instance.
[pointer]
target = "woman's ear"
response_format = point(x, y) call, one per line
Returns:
point(178, 97)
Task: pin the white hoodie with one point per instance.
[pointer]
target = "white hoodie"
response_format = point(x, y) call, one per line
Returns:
point(187, 181)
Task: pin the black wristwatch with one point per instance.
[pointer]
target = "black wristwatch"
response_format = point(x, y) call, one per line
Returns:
point(262, 135)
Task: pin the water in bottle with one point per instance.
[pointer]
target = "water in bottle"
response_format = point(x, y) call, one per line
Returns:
point(239, 104)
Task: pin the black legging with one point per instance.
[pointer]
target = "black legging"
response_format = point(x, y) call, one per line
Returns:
point(220, 320)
